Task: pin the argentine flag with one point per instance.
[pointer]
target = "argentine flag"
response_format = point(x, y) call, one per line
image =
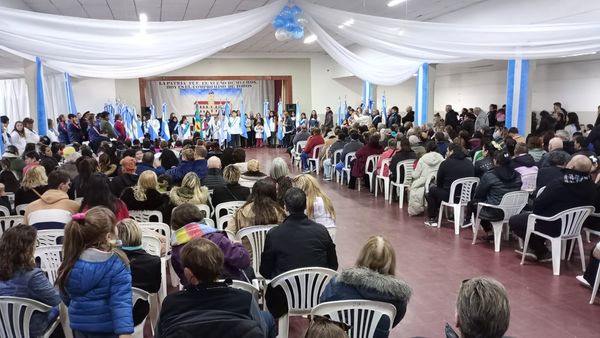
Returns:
point(383, 109)
point(164, 130)
point(227, 115)
point(281, 122)
point(267, 126)
point(243, 120)
point(340, 111)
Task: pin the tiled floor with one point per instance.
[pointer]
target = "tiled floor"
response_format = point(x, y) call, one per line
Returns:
point(435, 261)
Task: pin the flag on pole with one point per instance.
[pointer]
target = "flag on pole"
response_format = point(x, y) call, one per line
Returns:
point(297, 114)
point(339, 122)
point(222, 130)
point(227, 120)
point(139, 132)
point(152, 111)
point(383, 109)
point(127, 121)
point(70, 97)
point(267, 126)
point(346, 108)
point(280, 114)
point(165, 134)
point(108, 107)
point(197, 124)
point(243, 120)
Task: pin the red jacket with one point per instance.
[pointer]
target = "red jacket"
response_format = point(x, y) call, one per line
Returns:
point(358, 169)
point(312, 142)
point(121, 130)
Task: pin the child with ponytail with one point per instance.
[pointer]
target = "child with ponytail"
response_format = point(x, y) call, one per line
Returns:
point(94, 279)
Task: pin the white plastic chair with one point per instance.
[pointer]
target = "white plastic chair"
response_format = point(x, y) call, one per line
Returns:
point(205, 208)
point(400, 186)
point(512, 203)
point(4, 211)
point(164, 230)
point(49, 237)
point(238, 284)
point(430, 179)
point(11, 198)
point(151, 244)
point(146, 215)
point(256, 237)
point(139, 294)
point(297, 151)
point(302, 288)
point(229, 207)
point(571, 223)
point(49, 218)
point(467, 185)
point(9, 222)
point(15, 316)
point(371, 169)
point(362, 315)
point(209, 222)
point(385, 180)
point(314, 163)
point(336, 157)
point(222, 224)
point(20, 209)
point(528, 182)
point(346, 169)
point(50, 260)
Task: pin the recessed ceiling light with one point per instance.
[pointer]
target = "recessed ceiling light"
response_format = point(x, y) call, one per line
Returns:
point(143, 17)
point(341, 26)
point(310, 39)
point(349, 22)
point(393, 3)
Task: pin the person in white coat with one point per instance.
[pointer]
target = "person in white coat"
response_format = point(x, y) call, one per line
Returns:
point(30, 135)
point(428, 164)
point(18, 138)
point(235, 129)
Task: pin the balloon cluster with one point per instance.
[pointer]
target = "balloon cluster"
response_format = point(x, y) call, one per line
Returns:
point(289, 24)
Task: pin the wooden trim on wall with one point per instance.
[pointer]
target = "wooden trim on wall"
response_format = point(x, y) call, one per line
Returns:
point(287, 82)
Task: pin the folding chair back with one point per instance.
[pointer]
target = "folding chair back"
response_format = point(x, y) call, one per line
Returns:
point(362, 315)
point(50, 260)
point(256, 237)
point(15, 316)
point(146, 215)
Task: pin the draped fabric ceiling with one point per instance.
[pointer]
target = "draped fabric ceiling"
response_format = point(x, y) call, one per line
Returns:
point(386, 51)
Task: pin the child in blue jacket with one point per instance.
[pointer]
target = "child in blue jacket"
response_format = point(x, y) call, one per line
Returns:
point(94, 279)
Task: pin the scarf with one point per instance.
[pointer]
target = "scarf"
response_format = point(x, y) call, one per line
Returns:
point(190, 231)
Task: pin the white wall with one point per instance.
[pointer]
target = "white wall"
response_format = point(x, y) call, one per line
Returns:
point(91, 93)
point(327, 88)
point(474, 89)
point(401, 95)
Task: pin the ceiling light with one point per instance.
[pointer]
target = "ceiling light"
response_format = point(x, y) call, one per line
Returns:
point(393, 3)
point(349, 22)
point(415, 75)
point(341, 26)
point(310, 39)
point(143, 17)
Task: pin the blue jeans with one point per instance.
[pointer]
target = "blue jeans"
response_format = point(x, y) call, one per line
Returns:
point(304, 159)
point(268, 318)
point(339, 166)
point(79, 334)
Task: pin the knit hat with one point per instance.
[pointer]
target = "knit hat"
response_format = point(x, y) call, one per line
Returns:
point(413, 139)
point(128, 164)
point(68, 151)
point(253, 166)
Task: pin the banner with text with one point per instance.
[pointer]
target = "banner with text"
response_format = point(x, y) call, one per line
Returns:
point(181, 96)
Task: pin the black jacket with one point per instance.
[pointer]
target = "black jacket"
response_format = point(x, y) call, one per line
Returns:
point(482, 166)
point(492, 187)
point(328, 119)
point(524, 160)
point(452, 119)
point(594, 138)
point(397, 158)
point(23, 196)
point(394, 118)
point(230, 193)
point(409, 117)
point(298, 242)
point(155, 200)
point(214, 179)
point(119, 183)
point(454, 167)
point(210, 310)
point(547, 123)
point(145, 275)
point(559, 196)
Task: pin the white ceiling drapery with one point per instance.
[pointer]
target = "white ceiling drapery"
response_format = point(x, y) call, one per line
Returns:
point(391, 50)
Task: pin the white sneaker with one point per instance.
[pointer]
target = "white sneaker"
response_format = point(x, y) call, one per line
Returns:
point(582, 281)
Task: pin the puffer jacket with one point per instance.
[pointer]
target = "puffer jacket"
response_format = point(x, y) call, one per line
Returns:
point(363, 283)
point(493, 185)
point(427, 165)
point(98, 294)
point(200, 167)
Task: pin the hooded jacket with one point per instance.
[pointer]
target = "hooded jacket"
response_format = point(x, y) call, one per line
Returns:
point(493, 185)
point(98, 294)
point(427, 164)
point(51, 199)
point(454, 167)
point(236, 258)
point(363, 283)
point(119, 183)
point(524, 164)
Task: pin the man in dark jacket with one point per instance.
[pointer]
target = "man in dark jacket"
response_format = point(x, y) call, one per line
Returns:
point(456, 166)
point(214, 178)
point(594, 138)
point(451, 118)
point(576, 189)
point(553, 171)
point(492, 116)
point(394, 118)
point(410, 115)
point(128, 178)
point(208, 308)
point(74, 129)
point(148, 164)
point(193, 160)
point(297, 243)
point(328, 118)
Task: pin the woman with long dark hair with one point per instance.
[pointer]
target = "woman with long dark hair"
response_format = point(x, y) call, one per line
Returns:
point(86, 166)
point(168, 159)
point(98, 193)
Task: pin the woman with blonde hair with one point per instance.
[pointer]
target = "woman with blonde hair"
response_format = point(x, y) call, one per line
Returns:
point(319, 207)
point(373, 278)
point(145, 196)
point(34, 184)
point(190, 191)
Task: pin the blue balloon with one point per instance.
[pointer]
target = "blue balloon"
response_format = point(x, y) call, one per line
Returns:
point(279, 22)
point(298, 34)
point(286, 11)
point(290, 26)
point(297, 28)
point(295, 10)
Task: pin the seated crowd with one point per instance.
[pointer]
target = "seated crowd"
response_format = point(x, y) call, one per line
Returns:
point(97, 185)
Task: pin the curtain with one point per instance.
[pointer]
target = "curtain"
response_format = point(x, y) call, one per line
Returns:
point(14, 100)
point(55, 96)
